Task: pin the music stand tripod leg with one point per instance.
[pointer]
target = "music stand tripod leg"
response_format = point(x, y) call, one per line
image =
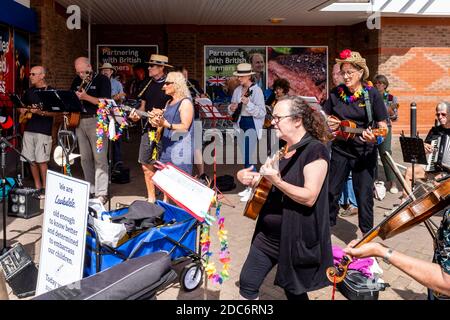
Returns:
point(3, 144)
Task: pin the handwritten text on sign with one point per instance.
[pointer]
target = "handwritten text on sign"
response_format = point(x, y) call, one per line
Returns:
point(64, 231)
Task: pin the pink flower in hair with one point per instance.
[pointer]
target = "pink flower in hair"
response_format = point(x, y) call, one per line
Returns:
point(347, 53)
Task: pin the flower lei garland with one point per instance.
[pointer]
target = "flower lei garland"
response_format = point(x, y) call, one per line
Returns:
point(102, 128)
point(224, 255)
point(355, 96)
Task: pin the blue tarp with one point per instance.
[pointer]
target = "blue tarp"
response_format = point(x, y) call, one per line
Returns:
point(17, 15)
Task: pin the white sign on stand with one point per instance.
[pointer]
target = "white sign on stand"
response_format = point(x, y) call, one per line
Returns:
point(187, 192)
point(63, 232)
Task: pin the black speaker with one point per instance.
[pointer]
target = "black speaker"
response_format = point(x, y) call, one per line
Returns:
point(20, 271)
point(24, 203)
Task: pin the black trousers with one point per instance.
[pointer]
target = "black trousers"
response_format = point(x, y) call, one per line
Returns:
point(363, 175)
point(253, 273)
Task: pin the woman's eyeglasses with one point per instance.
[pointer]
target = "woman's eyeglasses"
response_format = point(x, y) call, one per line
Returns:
point(167, 83)
point(348, 73)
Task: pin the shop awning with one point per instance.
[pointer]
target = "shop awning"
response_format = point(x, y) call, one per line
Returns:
point(18, 15)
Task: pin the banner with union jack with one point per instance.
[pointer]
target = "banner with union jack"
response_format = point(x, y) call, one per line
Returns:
point(216, 80)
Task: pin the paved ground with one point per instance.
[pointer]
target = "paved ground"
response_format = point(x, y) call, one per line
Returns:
point(415, 242)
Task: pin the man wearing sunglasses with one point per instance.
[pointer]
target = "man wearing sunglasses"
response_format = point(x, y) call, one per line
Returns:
point(153, 97)
point(442, 128)
point(37, 137)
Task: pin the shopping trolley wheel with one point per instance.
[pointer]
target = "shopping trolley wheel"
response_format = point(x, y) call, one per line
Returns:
point(191, 276)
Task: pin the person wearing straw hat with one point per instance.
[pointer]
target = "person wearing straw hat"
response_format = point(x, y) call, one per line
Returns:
point(249, 124)
point(117, 92)
point(153, 97)
point(356, 100)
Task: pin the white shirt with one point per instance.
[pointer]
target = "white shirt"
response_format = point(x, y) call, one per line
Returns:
point(255, 107)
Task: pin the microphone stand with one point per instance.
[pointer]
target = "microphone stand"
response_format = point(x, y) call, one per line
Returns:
point(3, 144)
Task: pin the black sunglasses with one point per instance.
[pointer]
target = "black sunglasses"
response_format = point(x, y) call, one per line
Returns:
point(167, 83)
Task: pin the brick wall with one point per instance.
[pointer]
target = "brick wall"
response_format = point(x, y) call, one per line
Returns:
point(54, 45)
point(415, 56)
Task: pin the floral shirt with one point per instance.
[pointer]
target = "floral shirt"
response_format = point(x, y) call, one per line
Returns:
point(442, 245)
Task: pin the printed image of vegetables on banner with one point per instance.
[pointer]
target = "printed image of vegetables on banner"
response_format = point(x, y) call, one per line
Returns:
point(304, 67)
point(221, 62)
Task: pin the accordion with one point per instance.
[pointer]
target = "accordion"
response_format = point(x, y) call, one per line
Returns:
point(439, 159)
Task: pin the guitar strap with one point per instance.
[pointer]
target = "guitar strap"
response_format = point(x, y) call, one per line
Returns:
point(368, 106)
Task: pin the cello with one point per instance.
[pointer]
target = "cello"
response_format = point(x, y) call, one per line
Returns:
point(407, 215)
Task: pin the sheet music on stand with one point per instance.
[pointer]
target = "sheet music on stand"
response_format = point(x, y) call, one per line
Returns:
point(185, 191)
point(60, 101)
point(413, 150)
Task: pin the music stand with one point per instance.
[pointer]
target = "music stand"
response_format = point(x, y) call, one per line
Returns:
point(60, 101)
point(413, 151)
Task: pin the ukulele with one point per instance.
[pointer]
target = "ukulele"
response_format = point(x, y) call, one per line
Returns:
point(237, 112)
point(347, 130)
point(155, 135)
point(261, 191)
point(23, 118)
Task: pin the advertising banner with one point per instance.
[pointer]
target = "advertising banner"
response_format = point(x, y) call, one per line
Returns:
point(306, 69)
point(123, 58)
point(21, 61)
point(221, 62)
point(6, 60)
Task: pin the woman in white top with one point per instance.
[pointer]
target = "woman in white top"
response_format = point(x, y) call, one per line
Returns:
point(249, 111)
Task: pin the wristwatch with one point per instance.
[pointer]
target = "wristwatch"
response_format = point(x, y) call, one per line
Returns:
point(388, 255)
point(170, 126)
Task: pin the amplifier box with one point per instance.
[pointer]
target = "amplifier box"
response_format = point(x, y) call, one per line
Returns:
point(20, 271)
point(24, 203)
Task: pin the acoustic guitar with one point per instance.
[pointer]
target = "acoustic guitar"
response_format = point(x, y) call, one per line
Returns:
point(73, 118)
point(347, 130)
point(260, 191)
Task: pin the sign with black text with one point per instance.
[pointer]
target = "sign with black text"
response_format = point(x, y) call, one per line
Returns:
point(63, 232)
point(123, 58)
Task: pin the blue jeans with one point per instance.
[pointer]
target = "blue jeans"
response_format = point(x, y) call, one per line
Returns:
point(348, 195)
point(246, 123)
